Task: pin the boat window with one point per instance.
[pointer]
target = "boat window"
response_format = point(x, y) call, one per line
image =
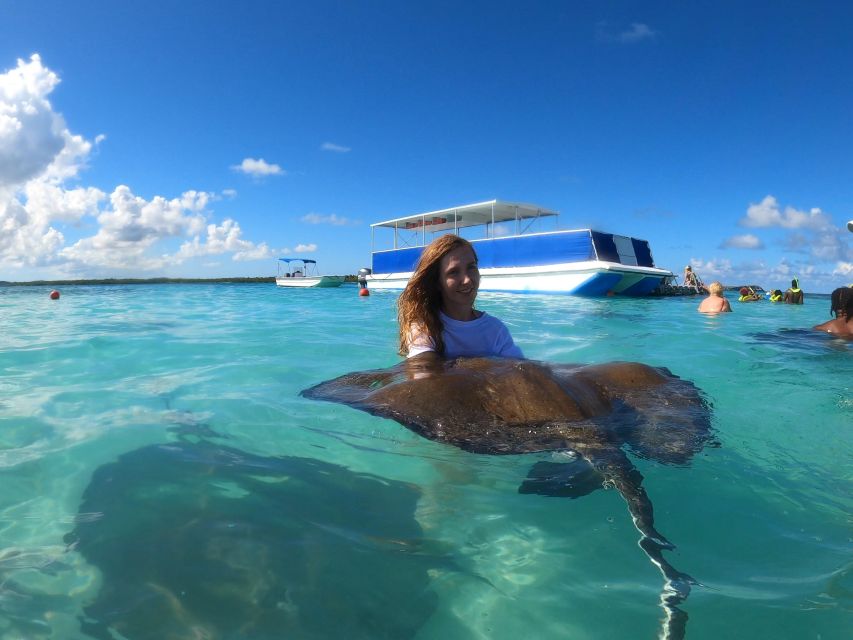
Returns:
point(643, 253)
point(625, 248)
point(605, 247)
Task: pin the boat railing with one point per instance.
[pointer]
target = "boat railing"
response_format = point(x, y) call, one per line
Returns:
point(484, 220)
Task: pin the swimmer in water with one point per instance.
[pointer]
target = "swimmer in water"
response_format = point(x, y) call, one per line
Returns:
point(841, 306)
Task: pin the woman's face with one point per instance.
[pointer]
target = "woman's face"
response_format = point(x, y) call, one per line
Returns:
point(458, 278)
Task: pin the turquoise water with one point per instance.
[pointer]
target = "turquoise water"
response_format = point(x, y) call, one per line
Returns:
point(161, 477)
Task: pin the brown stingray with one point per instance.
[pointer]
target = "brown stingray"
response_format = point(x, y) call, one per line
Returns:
point(505, 406)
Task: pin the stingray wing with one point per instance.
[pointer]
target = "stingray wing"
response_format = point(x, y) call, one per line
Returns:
point(485, 405)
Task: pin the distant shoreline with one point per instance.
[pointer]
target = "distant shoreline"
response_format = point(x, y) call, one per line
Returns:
point(256, 280)
point(56, 283)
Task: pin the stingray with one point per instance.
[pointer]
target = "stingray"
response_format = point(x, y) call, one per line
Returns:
point(202, 541)
point(506, 406)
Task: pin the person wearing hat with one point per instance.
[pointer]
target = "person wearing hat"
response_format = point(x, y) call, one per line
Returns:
point(794, 295)
point(690, 277)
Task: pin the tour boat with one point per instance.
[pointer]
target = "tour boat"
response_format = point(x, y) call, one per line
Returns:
point(520, 249)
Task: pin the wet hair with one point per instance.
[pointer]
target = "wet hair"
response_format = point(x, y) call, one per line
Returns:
point(715, 289)
point(795, 284)
point(420, 302)
point(777, 292)
point(841, 302)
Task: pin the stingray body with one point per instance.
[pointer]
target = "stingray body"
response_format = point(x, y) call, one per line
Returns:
point(504, 406)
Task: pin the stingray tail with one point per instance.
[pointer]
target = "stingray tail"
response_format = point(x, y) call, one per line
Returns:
point(675, 590)
point(621, 474)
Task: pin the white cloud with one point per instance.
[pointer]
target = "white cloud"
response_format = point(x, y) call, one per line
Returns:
point(711, 269)
point(637, 32)
point(31, 134)
point(747, 241)
point(500, 229)
point(810, 231)
point(331, 146)
point(767, 213)
point(39, 155)
point(778, 276)
point(229, 193)
point(26, 239)
point(132, 225)
point(224, 238)
point(258, 168)
point(300, 248)
point(257, 252)
point(316, 218)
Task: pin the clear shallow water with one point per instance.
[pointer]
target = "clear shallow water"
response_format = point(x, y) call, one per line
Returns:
point(161, 477)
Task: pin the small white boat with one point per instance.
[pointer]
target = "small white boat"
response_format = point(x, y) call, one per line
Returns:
point(298, 272)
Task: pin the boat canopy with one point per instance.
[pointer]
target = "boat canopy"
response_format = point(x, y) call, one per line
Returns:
point(297, 260)
point(468, 215)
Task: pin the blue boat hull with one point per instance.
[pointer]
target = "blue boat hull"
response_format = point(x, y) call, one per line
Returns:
point(584, 263)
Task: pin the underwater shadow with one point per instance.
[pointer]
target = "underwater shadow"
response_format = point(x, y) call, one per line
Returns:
point(204, 541)
point(806, 341)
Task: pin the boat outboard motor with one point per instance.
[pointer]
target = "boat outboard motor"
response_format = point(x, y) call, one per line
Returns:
point(362, 277)
point(362, 281)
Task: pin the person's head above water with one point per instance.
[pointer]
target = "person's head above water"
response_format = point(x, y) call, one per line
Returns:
point(446, 278)
point(841, 303)
point(795, 284)
point(744, 291)
point(715, 289)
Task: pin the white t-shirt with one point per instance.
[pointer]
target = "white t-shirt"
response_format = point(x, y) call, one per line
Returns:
point(483, 336)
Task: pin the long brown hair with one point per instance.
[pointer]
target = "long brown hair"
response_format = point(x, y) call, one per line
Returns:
point(418, 305)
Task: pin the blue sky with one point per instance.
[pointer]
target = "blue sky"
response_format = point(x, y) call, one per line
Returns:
point(206, 138)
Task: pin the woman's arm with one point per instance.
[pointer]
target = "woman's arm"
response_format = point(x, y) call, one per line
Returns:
point(419, 342)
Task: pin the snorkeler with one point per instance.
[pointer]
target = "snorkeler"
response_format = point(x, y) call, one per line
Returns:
point(841, 306)
point(436, 309)
point(776, 295)
point(794, 295)
point(747, 294)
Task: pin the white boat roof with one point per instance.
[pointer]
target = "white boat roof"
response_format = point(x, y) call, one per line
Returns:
point(470, 215)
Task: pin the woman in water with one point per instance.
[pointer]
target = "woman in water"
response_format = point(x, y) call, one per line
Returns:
point(841, 306)
point(436, 309)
